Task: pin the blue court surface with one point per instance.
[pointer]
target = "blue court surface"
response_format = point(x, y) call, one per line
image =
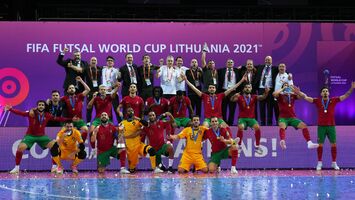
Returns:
point(254, 184)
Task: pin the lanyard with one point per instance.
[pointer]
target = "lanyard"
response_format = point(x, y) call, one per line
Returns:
point(192, 74)
point(217, 133)
point(179, 107)
point(132, 73)
point(325, 105)
point(40, 119)
point(157, 102)
point(54, 109)
point(212, 98)
point(147, 73)
point(169, 75)
point(72, 101)
point(108, 76)
point(289, 99)
point(194, 136)
point(91, 76)
point(247, 100)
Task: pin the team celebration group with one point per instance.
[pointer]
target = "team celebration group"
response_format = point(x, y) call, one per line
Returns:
point(148, 115)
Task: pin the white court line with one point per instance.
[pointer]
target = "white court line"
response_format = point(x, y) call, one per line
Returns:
point(42, 195)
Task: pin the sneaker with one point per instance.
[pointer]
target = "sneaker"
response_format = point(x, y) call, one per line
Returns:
point(123, 170)
point(193, 170)
point(88, 124)
point(171, 170)
point(312, 145)
point(234, 170)
point(162, 167)
point(258, 150)
point(59, 170)
point(157, 170)
point(219, 169)
point(239, 150)
point(15, 170)
point(74, 169)
point(54, 169)
point(283, 144)
point(93, 153)
point(319, 165)
point(237, 140)
point(132, 171)
point(335, 166)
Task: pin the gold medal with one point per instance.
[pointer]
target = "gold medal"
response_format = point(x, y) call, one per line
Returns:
point(212, 108)
point(289, 105)
point(325, 111)
point(248, 107)
point(73, 109)
point(218, 138)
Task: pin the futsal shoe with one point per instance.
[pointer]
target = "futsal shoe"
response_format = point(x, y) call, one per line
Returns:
point(312, 145)
point(157, 170)
point(283, 144)
point(162, 167)
point(59, 170)
point(171, 170)
point(54, 169)
point(335, 166)
point(258, 150)
point(15, 170)
point(319, 165)
point(123, 170)
point(74, 169)
point(234, 170)
point(219, 169)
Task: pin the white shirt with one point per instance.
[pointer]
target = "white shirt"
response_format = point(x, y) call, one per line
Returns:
point(134, 77)
point(168, 79)
point(268, 76)
point(229, 84)
point(281, 79)
point(181, 85)
point(109, 77)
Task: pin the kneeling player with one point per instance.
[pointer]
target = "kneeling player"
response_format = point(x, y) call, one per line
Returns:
point(105, 134)
point(66, 147)
point(193, 150)
point(219, 138)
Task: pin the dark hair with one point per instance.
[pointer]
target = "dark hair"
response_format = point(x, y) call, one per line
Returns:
point(132, 84)
point(214, 117)
point(41, 101)
point(68, 122)
point(110, 57)
point(158, 88)
point(69, 86)
point(324, 87)
point(193, 116)
point(129, 53)
point(145, 56)
point(55, 91)
point(178, 58)
point(245, 84)
point(179, 93)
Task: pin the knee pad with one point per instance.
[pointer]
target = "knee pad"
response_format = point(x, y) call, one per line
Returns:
point(151, 151)
point(55, 150)
point(82, 154)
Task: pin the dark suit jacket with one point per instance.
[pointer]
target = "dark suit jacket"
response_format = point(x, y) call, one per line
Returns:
point(222, 74)
point(191, 80)
point(253, 79)
point(70, 74)
point(126, 78)
point(89, 79)
point(274, 72)
point(143, 84)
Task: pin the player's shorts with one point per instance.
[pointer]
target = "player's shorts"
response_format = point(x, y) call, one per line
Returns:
point(326, 131)
point(294, 122)
point(78, 124)
point(219, 155)
point(161, 151)
point(64, 153)
point(97, 121)
point(133, 154)
point(189, 159)
point(103, 159)
point(247, 122)
point(42, 141)
point(208, 120)
point(182, 122)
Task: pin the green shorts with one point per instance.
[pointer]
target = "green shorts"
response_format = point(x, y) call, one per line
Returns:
point(294, 122)
point(97, 121)
point(327, 131)
point(182, 122)
point(42, 141)
point(208, 120)
point(79, 124)
point(247, 122)
point(218, 156)
point(161, 151)
point(103, 159)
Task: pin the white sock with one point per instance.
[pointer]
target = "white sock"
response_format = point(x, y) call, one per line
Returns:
point(171, 162)
point(54, 165)
point(17, 166)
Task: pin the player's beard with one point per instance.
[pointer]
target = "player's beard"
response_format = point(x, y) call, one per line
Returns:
point(104, 121)
point(130, 115)
point(247, 92)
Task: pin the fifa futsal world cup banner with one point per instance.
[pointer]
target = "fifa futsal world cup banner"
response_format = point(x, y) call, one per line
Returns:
point(317, 54)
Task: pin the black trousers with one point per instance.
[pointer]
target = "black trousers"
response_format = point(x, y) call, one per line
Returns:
point(226, 103)
point(195, 104)
point(266, 108)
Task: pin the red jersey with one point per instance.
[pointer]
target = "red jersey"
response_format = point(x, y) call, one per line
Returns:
point(212, 105)
point(74, 105)
point(136, 103)
point(245, 110)
point(105, 137)
point(38, 123)
point(326, 118)
point(178, 109)
point(287, 105)
point(159, 107)
point(103, 105)
point(217, 145)
point(155, 133)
